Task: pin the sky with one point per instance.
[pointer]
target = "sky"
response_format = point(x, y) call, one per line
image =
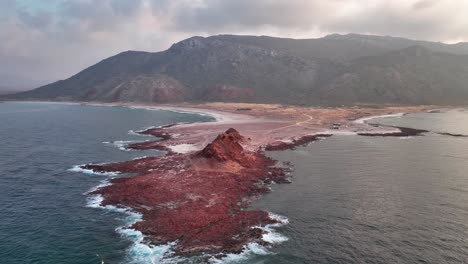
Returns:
point(47, 40)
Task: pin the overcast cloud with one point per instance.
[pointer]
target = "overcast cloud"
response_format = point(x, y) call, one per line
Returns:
point(48, 40)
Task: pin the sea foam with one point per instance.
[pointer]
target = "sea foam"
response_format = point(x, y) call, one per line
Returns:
point(252, 249)
point(121, 144)
point(139, 252)
point(135, 133)
point(78, 168)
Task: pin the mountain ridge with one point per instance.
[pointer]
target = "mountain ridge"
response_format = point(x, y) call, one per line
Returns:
point(333, 70)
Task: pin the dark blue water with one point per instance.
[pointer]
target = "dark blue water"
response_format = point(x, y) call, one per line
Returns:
point(352, 200)
point(377, 200)
point(43, 213)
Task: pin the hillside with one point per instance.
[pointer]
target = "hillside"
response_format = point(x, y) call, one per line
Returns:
point(336, 69)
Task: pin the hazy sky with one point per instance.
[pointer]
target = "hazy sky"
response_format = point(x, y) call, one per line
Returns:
point(46, 40)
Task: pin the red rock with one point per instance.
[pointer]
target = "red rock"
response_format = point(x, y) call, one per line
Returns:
point(198, 199)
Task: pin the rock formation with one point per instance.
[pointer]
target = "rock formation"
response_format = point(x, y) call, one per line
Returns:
point(198, 199)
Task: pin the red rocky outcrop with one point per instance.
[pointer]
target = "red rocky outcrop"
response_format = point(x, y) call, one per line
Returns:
point(199, 200)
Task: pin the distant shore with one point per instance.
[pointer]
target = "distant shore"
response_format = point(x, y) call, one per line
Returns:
point(267, 124)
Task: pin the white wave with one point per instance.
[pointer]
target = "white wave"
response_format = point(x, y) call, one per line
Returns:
point(273, 238)
point(139, 252)
point(148, 128)
point(135, 133)
point(78, 168)
point(183, 148)
point(252, 249)
point(364, 120)
point(282, 220)
point(103, 183)
point(94, 201)
point(121, 144)
point(249, 251)
point(270, 235)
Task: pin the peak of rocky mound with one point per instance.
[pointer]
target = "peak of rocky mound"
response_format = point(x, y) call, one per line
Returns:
point(226, 147)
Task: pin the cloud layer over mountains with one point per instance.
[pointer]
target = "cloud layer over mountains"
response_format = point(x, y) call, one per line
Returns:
point(47, 40)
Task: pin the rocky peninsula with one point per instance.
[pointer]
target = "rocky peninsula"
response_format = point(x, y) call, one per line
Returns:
point(198, 194)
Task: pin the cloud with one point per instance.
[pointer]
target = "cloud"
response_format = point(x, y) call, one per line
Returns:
point(56, 38)
point(442, 20)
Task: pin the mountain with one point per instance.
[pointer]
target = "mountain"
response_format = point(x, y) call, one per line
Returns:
point(334, 70)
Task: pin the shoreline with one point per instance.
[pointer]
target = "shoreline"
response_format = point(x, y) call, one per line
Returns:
point(219, 116)
point(256, 166)
point(221, 157)
point(365, 120)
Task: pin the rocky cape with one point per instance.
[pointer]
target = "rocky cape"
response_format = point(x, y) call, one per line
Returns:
point(198, 200)
point(334, 70)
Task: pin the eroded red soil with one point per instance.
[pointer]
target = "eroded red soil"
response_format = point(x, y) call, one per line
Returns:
point(200, 199)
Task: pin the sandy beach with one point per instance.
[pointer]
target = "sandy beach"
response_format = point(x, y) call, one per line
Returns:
point(265, 124)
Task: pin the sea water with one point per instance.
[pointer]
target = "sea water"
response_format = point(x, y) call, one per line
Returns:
point(45, 214)
point(352, 199)
point(357, 199)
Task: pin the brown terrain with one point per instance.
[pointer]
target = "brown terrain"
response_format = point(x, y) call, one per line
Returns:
point(266, 125)
point(199, 192)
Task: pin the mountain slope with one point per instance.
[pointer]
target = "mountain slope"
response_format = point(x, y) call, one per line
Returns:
point(337, 69)
point(415, 75)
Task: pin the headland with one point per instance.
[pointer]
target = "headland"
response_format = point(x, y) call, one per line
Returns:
point(198, 194)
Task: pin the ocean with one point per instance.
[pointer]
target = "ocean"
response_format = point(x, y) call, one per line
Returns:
point(45, 215)
point(352, 199)
point(357, 199)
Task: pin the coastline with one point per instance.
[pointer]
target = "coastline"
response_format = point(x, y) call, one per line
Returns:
point(201, 134)
point(219, 116)
point(365, 120)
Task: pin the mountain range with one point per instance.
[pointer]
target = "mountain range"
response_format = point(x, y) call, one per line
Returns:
point(333, 70)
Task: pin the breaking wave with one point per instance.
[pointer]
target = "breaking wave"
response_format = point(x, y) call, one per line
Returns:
point(252, 249)
point(121, 144)
point(78, 168)
point(139, 252)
